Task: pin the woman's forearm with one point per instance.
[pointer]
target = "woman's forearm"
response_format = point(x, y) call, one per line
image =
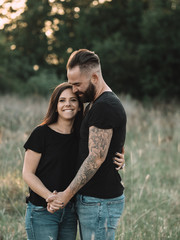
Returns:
point(36, 185)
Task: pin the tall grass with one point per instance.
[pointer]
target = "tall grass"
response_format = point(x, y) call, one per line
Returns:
point(151, 175)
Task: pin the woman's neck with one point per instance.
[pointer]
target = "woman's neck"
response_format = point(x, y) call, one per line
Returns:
point(62, 126)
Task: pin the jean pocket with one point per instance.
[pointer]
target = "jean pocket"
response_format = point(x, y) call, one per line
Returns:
point(89, 201)
point(39, 209)
point(115, 209)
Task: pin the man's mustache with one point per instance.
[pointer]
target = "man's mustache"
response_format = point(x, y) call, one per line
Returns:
point(79, 93)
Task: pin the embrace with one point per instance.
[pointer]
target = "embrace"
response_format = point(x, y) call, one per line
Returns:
point(72, 158)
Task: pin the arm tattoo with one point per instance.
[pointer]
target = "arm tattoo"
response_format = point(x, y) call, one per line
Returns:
point(99, 142)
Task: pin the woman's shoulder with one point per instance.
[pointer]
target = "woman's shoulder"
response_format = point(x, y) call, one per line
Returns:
point(40, 129)
point(36, 140)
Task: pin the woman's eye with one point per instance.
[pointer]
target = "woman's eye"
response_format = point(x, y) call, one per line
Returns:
point(61, 100)
point(74, 100)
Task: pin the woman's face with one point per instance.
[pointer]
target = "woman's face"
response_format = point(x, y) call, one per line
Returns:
point(68, 105)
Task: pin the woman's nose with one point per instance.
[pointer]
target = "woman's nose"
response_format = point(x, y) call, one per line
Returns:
point(68, 103)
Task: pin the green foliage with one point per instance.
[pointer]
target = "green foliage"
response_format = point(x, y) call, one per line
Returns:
point(160, 54)
point(113, 36)
point(138, 42)
point(28, 36)
point(42, 83)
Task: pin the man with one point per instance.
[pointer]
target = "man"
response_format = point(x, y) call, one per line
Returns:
point(100, 198)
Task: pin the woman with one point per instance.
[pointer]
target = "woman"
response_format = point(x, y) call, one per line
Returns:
point(49, 164)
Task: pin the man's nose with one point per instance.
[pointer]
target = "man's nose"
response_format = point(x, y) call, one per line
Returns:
point(75, 89)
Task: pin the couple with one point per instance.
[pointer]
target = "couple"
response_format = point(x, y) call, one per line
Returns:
point(69, 159)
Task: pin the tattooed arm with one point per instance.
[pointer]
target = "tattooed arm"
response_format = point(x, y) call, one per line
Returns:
point(99, 142)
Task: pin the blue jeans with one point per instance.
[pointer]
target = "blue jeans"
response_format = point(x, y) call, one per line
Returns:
point(98, 218)
point(43, 225)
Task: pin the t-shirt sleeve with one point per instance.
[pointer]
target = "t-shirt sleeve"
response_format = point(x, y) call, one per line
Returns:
point(35, 141)
point(104, 116)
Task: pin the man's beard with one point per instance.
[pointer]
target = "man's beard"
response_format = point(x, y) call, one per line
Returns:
point(89, 94)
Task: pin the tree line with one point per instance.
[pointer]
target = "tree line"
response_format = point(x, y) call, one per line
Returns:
point(138, 42)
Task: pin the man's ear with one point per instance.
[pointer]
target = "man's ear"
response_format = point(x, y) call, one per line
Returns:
point(94, 78)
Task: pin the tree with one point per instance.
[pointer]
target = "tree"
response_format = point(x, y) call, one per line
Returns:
point(137, 41)
point(160, 54)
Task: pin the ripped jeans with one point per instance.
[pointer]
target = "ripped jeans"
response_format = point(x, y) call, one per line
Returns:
point(98, 218)
point(43, 225)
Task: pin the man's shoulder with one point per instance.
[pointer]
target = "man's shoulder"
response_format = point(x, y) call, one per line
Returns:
point(108, 100)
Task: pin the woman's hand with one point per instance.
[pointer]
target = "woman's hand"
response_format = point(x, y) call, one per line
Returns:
point(119, 160)
point(56, 201)
point(50, 207)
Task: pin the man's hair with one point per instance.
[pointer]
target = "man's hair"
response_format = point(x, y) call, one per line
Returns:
point(85, 59)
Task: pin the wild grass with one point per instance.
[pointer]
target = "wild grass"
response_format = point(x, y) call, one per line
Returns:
point(151, 175)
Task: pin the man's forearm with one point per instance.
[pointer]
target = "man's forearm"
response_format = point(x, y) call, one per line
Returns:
point(85, 173)
point(99, 141)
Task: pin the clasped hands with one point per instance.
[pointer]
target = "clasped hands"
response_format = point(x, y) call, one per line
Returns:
point(56, 201)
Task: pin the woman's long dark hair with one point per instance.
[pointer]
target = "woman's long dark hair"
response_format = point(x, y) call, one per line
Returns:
point(52, 115)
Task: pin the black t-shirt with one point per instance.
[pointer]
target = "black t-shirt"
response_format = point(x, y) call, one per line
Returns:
point(57, 165)
point(106, 112)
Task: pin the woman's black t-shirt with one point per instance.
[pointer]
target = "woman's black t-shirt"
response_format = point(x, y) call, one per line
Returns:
point(56, 168)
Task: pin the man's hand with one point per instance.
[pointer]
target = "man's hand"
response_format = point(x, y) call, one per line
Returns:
point(119, 160)
point(52, 207)
point(99, 142)
point(57, 201)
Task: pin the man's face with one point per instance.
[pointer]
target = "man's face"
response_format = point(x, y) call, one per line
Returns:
point(82, 84)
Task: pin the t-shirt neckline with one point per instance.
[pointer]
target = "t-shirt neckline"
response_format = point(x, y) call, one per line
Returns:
point(102, 94)
point(64, 134)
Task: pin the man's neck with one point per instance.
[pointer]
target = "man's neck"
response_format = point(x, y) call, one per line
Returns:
point(101, 90)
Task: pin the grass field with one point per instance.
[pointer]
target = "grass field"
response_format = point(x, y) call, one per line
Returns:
point(151, 176)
